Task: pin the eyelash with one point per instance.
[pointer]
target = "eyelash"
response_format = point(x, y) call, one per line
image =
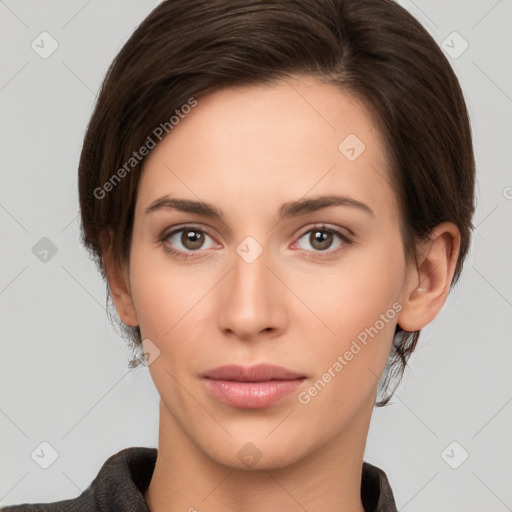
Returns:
point(346, 241)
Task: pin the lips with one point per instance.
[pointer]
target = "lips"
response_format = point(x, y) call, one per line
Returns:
point(257, 373)
point(253, 387)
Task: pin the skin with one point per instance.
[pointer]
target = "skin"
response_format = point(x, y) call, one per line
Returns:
point(286, 307)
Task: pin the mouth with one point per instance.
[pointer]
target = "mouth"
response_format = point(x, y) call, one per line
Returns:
point(253, 387)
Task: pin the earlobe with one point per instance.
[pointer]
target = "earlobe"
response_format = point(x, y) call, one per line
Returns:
point(428, 282)
point(118, 280)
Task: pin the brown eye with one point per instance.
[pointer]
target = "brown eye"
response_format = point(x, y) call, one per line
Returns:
point(323, 241)
point(320, 240)
point(186, 241)
point(192, 239)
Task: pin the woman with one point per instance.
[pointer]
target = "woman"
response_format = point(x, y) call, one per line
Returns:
point(279, 196)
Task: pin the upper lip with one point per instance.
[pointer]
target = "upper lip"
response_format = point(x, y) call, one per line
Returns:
point(256, 373)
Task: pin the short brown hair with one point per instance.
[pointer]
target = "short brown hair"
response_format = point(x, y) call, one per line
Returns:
point(370, 48)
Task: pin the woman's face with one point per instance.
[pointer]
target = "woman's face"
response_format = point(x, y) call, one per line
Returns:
point(278, 278)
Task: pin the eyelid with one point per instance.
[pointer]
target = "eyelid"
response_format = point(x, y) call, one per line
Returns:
point(166, 233)
point(163, 239)
point(346, 239)
point(327, 227)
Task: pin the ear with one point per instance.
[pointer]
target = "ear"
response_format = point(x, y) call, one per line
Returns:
point(118, 282)
point(428, 281)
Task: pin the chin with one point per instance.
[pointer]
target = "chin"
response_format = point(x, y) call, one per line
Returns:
point(259, 453)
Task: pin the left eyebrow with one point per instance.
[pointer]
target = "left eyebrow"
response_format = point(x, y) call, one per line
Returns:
point(302, 206)
point(290, 209)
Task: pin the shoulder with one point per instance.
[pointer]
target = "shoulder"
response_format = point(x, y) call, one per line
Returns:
point(119, 486)
point(376, 492)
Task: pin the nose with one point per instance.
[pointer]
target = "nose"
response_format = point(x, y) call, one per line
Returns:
point(252, 300)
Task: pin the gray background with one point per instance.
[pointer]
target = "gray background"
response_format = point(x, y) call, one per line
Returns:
point(64, 378)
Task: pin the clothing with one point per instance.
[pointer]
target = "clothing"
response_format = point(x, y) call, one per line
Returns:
point(125, 476)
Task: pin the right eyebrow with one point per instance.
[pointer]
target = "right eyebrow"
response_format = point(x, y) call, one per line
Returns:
point(184, 205)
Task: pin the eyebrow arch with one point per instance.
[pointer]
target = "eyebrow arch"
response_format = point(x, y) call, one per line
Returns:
point(290, 209)
point(302, 206)
point(184, 205)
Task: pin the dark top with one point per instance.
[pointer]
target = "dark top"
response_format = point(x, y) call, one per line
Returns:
point(125, 476)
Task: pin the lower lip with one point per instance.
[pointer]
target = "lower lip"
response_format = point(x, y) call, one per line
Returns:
point(252, 395)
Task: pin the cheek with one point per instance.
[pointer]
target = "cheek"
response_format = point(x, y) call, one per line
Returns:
point(360, 304)
point(164, 295)
point(170, 310)
point(352, 295)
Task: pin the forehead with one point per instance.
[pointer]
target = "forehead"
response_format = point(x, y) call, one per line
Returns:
point(263, 143)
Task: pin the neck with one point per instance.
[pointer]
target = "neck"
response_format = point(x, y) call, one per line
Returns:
point(327, 479)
